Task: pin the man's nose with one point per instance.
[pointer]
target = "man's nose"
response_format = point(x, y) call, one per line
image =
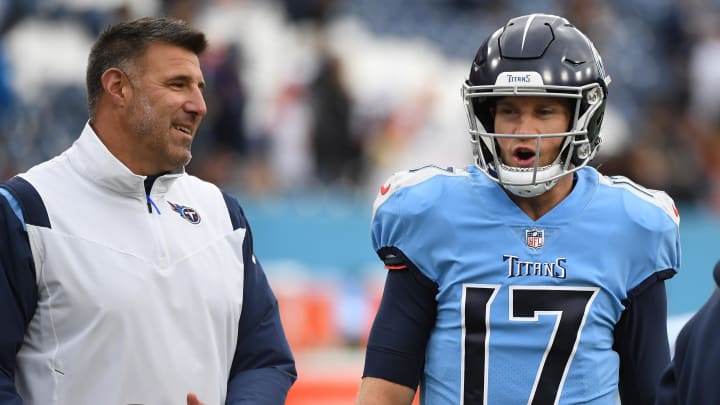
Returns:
point(196, 104)
point(526, 124)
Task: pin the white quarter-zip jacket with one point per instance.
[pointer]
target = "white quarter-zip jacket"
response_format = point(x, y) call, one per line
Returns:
point(136, 297)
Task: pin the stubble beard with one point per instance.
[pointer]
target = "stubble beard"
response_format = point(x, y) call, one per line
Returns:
point(148, 131)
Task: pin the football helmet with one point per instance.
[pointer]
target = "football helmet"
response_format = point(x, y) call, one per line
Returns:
point(536, 55)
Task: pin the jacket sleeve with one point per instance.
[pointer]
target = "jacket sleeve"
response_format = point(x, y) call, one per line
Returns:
point(18, 290)
point(263, 368)
point(691, 378)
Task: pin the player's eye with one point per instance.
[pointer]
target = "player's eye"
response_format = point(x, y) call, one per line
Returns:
point(505, 110)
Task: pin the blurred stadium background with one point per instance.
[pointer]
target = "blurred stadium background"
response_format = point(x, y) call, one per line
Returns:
point(313, 103)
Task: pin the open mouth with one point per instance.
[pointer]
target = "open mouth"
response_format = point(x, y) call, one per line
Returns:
point(184, 129)
point(524, 156)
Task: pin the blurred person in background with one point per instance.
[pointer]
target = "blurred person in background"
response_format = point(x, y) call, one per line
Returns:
point(288, 127)
point(124, 279)
point(691, 378)
point(337, 155)
point(529, 263)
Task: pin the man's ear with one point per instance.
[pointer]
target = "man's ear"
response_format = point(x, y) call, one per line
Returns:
point(115, 85)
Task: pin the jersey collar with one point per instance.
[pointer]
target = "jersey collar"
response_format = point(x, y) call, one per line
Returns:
point(566, 211)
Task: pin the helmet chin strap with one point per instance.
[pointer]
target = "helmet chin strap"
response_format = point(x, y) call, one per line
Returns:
point(510, 176)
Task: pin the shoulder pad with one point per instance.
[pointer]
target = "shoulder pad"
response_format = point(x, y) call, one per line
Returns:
point(656, 197)
point(412, 177)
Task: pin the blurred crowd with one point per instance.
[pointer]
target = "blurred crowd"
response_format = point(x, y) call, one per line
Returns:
point(335, 95)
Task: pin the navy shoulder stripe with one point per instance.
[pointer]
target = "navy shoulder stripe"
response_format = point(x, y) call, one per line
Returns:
point(25, 201)
point(237, 216)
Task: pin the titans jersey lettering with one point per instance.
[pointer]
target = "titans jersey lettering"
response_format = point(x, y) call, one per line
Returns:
point(517, 267)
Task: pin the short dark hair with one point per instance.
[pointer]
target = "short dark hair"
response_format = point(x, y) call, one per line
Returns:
point(120, 44)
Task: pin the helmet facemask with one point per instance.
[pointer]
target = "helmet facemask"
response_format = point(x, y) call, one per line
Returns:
point(576, 151)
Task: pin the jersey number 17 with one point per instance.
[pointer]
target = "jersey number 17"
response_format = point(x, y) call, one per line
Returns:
point(569, 304)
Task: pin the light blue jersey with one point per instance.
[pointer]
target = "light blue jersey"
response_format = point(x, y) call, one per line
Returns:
point(525, 309)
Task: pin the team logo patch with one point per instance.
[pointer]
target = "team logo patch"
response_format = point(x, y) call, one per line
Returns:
point(187, 213)
point(534, 238)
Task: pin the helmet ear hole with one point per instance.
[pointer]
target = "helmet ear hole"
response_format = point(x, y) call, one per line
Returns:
point(582, 152)
point(587, 150)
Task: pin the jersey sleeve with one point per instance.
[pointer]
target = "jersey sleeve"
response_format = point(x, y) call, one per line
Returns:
point(406, 213)
point(668, 245)
point(652, 232)
point(18, 287)
point(640, 337)
point(263, 367)
point(405, 208)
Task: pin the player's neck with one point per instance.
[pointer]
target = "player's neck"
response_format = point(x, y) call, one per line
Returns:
point(536, 207)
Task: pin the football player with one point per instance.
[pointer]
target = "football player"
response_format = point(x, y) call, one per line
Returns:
point(528, 277)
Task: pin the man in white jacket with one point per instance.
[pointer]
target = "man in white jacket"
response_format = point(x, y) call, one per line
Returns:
point(124, 280)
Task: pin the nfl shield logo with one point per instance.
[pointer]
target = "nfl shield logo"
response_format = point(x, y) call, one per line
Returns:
point(534, 238)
